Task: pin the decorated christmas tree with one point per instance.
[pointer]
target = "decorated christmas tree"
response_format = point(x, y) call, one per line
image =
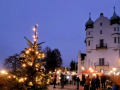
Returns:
point(32, 73)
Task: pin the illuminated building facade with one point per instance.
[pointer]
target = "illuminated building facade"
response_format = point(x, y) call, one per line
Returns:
point(102, 44)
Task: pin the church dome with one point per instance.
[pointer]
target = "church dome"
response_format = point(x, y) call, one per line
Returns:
point(115, 19)
point(89, 23)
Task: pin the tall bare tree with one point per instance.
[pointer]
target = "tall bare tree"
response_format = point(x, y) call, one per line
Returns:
point(12, 63)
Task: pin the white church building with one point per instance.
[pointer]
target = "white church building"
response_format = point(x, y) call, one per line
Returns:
point(102, 44)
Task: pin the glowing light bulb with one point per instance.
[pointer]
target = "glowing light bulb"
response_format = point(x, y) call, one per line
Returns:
point(27, 52)
point(114, 69)
point(90, 68)
point(111, 71)
point(21, 80)
point(34, 29)
point(39, 57)
point(14, 76)
point(9, 76)
point(43, 55)
point(30, 63)
point(23, 65)
point(82, 68)
point(25, 78)
point(37, 52)
point(35, 40)
point(3, 72)
point(33, 36)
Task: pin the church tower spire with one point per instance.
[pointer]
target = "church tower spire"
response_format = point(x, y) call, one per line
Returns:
point(89, 23)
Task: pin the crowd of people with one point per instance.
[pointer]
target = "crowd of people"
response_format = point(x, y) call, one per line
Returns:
point(64, 81)
point(94, 83)
point(89, 83)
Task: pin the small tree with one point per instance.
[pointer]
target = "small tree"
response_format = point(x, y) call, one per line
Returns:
point(33, 69)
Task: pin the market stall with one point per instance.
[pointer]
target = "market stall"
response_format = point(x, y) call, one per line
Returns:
point(91, 72)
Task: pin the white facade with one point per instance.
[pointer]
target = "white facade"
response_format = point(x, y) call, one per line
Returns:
point(102, 44)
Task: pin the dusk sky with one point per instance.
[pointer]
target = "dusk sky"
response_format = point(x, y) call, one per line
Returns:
point(61, 24)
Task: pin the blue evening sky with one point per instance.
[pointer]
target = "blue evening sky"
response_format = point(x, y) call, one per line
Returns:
point(61, 24)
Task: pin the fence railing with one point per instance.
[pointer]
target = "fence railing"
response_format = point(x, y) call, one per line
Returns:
point(101, 64)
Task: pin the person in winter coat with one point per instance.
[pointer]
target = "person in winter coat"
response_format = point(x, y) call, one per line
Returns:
point(97, 82)
point(103, 80)
point(78, 82)
point(87, 83)
point(62, 80)
point(93, 81)
point(54, 80)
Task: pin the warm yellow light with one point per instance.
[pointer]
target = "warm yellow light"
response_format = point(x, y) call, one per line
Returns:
point(30, 49)
point(33, 36)
point(25, 78)
point(90, 68)
point(37, 65)
point(21, 80)
point(73, 73)
point(114, 69)
point(91, 71)
point(82, 68)
point(111, 71)
point(39, 57)
point(35, 40)
point(23, 65)
point(37, 52)
point(14, 76)
point(43, 55)
point(58, 72)
point(30, 63)
point(50, 72)
point(117, 73)
point(59, 77)
point(34, 29)
point(94, 74)
point(30, 83)
point(68, 72)
point(27, 52)
point(9, 76)
point(3, 72)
